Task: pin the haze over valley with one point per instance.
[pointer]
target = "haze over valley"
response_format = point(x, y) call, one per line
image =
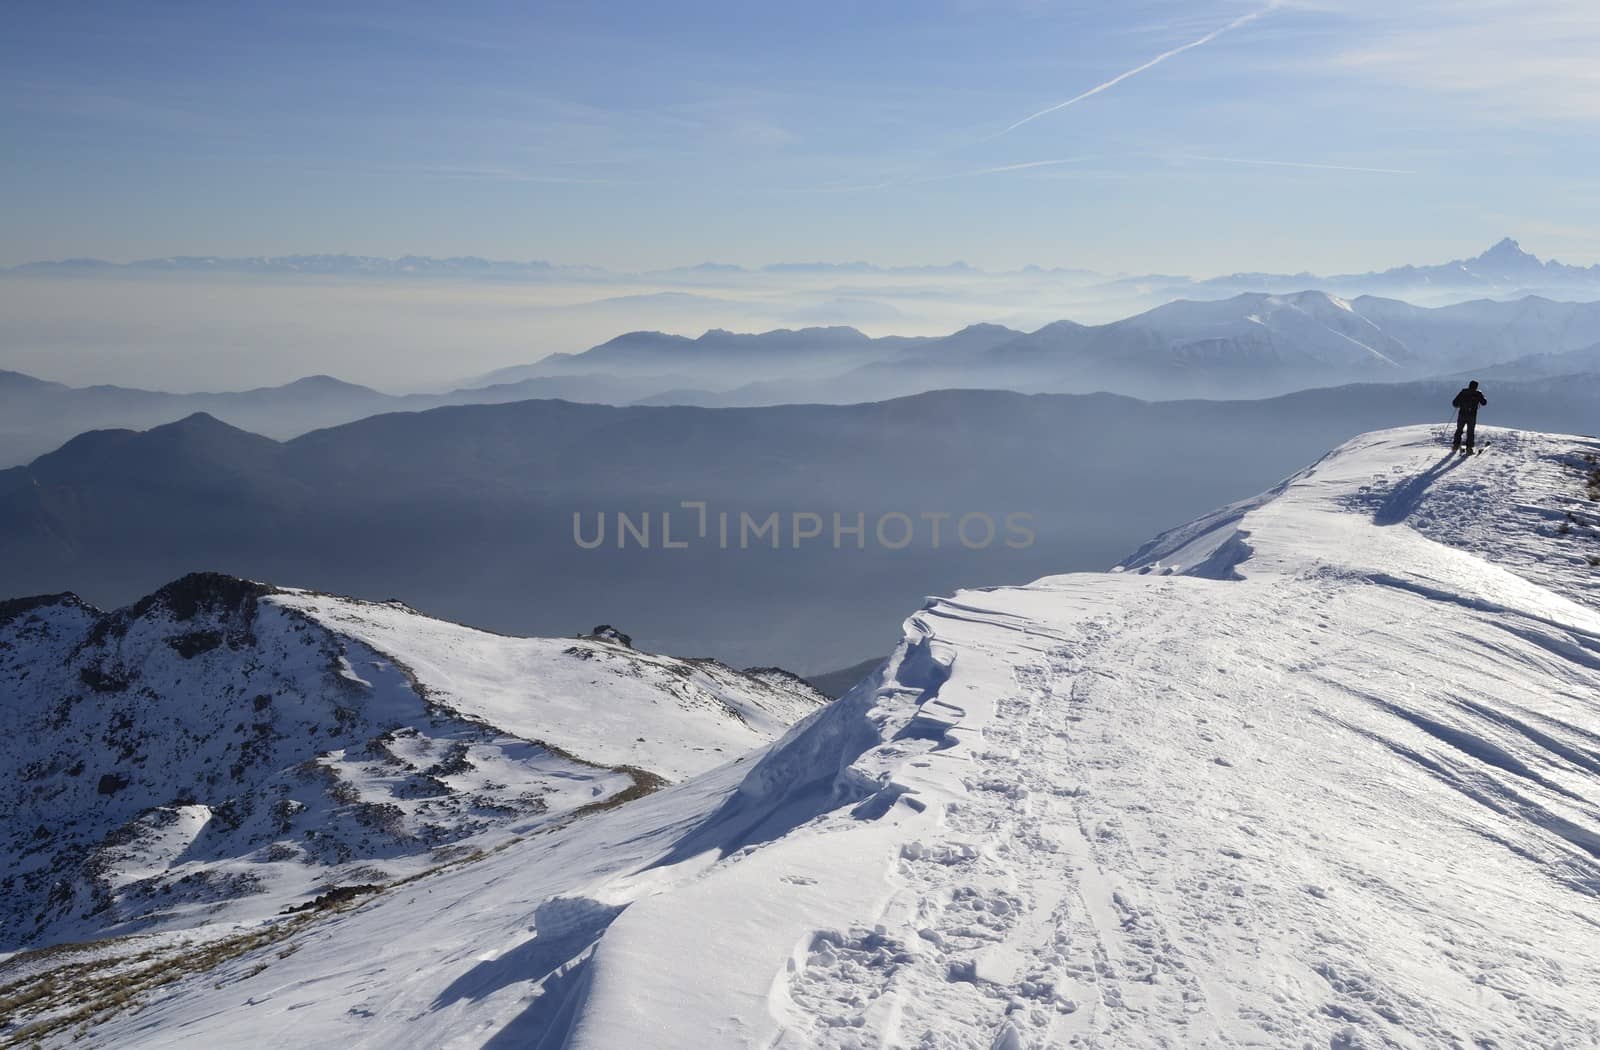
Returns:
point(416, 324)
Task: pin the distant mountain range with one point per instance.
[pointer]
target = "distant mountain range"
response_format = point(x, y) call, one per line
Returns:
point(720, 357)
point(1254, 344)
point(469, 512)
point(337, 265)
point(36, 416)
point(1503, 269)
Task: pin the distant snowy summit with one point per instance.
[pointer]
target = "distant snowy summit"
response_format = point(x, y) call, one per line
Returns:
point(1503, 265)
point(1319, 769)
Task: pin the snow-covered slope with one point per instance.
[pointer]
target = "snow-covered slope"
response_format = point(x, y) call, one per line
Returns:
point(224, 749)
point(1309, 325)
point(1322, 770)
point(670, 716)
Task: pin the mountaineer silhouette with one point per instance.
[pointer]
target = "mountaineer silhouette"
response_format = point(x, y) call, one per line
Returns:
point(1466, 404)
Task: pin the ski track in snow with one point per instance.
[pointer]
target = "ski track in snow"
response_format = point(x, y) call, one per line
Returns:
point(1322, 771)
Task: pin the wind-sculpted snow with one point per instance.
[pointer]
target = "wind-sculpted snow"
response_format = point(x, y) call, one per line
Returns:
point(1346, 796)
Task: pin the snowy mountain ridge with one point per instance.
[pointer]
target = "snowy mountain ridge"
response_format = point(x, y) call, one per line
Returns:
point(1322, 769)
point(1252, 343)
point(225, 749)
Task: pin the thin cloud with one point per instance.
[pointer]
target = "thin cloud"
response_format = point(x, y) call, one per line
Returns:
point(1288, 164)
point(1026, 165)
point(1136, 70)
point(492, 175)
point(1517, 61)
point(996, 170)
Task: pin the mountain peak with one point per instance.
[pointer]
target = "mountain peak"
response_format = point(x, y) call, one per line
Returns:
point(202, 592)
point(196, 423)
point(321, 381)
point(1507, 249)
point(12, 608)
point(21, 381)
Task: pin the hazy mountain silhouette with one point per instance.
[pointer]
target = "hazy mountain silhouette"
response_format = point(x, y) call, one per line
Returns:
point(36, 416)
point(466, 512)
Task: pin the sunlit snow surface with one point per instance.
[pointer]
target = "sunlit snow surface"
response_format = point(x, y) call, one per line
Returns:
point(612, 705)
point(223, 751)
point(1339, 789)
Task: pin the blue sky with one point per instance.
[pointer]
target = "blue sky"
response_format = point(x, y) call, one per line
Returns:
point(636, 135)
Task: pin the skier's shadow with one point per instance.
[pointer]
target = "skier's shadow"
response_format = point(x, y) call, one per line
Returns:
point(1403, 500)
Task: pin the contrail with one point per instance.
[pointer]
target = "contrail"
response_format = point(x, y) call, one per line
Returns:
point(1289, 164)
point(1002, 168)
point(1135, 71)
